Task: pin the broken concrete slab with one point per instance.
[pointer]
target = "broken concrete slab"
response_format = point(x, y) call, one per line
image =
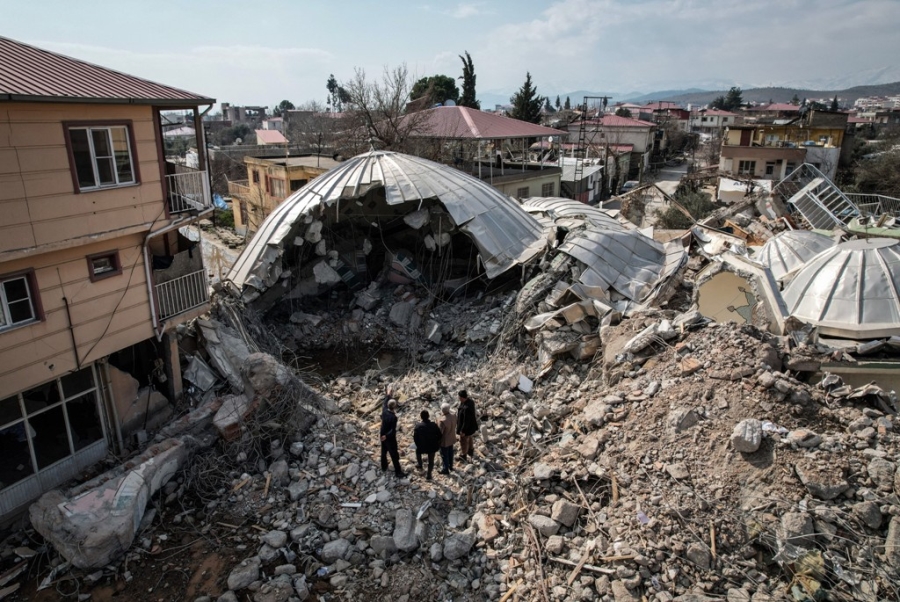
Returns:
point(95, 527)
point(233, 414)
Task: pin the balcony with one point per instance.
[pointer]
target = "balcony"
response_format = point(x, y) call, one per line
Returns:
point(182, 294)
point(240, 188)
point(188, 189)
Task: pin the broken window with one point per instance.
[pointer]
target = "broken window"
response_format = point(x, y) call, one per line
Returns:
point(48, 423)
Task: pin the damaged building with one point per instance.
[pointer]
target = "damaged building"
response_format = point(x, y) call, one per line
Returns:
point(94, 273)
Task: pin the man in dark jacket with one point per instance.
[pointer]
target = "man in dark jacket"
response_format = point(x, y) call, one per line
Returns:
point(466, 425)
point(389, 434)
point(427, 438)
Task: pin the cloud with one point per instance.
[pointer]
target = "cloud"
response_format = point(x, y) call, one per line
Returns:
point(464, 11)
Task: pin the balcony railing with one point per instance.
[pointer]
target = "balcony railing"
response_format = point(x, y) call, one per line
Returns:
point(188, 191)
point(182, 294)
point(239, 188)
point(876, 204)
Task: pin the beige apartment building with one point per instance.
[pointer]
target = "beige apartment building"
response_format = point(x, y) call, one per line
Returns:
point(269, 181)
point(94, 273)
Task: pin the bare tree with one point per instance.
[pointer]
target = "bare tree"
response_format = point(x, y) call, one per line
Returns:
point(377, 111)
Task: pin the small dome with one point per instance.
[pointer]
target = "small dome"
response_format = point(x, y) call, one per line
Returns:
point(791, 249)
point(851, 290)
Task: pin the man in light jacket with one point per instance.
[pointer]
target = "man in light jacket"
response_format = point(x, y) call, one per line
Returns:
point(447, 424)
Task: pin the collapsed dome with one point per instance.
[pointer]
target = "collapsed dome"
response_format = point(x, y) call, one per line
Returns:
point(851, 290)
point(791, 249)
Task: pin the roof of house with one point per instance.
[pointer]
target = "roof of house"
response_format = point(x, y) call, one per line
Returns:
point(717, 113)
point(28, 73)
point(270, 137)
point(776, 106)
point(617, 121)
point(184, 131)
point(464, 122)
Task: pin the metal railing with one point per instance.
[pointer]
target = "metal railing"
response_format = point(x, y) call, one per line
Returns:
point(188, 191)
point(182, 294)
point(876, 204)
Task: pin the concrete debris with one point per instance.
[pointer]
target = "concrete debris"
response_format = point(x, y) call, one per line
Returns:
point(747, 436)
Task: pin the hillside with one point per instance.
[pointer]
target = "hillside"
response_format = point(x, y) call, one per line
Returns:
point(777, 94)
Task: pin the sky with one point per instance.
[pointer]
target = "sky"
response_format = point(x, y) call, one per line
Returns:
point(258, 53)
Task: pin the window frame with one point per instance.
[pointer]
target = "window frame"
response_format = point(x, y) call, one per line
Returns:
point(116, 262)
point(519, 192)
point(544, 189)
point(37, 310)
point(68, 126)
point(751, 163)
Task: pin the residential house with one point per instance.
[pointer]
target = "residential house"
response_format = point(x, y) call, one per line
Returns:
point(773, 150)
point(775, 110)
point(273, 123)
point(586, 184)
point(713, 121)
point(614, 131)
point(94, 273)
point(269, 181)
point(238, 114)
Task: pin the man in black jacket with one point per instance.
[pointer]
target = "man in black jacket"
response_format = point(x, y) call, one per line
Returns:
point(389, 434)
point(427, 438)
point(466, 425)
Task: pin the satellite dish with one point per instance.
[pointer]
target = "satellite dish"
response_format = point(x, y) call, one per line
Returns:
point(550, 139)
point(449, 103)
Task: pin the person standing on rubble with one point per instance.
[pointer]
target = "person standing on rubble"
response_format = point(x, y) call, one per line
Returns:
point(427, 437)
point(389, 433)
point(466, 426)
point(447, 424)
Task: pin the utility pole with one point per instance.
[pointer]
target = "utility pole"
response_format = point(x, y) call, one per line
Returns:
point(582, 136)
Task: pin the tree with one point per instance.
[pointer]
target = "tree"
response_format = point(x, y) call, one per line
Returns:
point(439, 88)
point(376, 112)
point(623, 112)
point(547, 107)
point(795, 100)
point(283, 106)
point(834, 103)
point(733, 99)
point(568, 105)
point(526, 104)
point(558, 105)
point(337, 95)
point(467, 98)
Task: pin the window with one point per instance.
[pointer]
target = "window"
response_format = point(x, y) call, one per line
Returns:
point(278, 188)
point(103, 265)
point(703, 119)
point(522, 193)
point(547, 189)
point(254, 176)
point(47, 424)
point(770, 168)
point(298, 184)
point(18, 302)
point(746, 167)
point(102, 156)
point(790, 168)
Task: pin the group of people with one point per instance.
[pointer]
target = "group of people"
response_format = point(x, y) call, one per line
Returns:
point(430, 437)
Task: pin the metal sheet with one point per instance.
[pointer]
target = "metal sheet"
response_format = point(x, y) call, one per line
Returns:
point(791, 249)
point(557, 208)
point(851, 290)
point(625, 261)
point(504, 234)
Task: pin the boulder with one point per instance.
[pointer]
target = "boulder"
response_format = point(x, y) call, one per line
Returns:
point(458, 545)
point(405, 530)
point(544, 525)
point(699, 554)
point(275, 539)
point(747, 436)
point(881, 472)
point(797, 529)
point(334, 550)
point(595, 413)
point(382, 543)
point(565, 512)
point(244, 574)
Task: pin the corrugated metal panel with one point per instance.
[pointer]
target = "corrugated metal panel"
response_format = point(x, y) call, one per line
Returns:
point(503, 232)
point(851, 290)
point(29, 73)
point(560, 208)
point(791, 249)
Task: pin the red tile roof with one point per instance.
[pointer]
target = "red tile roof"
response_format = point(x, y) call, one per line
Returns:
point(32, 74)
point(463, 122)
point(270, 137)
point(777, 106)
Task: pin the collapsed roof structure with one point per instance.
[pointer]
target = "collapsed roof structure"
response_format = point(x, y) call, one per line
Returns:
point(369, 198)
point(791, 249)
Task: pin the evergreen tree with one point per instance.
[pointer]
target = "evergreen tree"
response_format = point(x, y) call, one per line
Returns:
point(795, 100)
point(526, 102)
point(467, 98)
point(548, 108)
point(834, 104)
point(568, 104)
point(440, 88)
point(558, 105)
point(337, 95)
point(623, 112)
